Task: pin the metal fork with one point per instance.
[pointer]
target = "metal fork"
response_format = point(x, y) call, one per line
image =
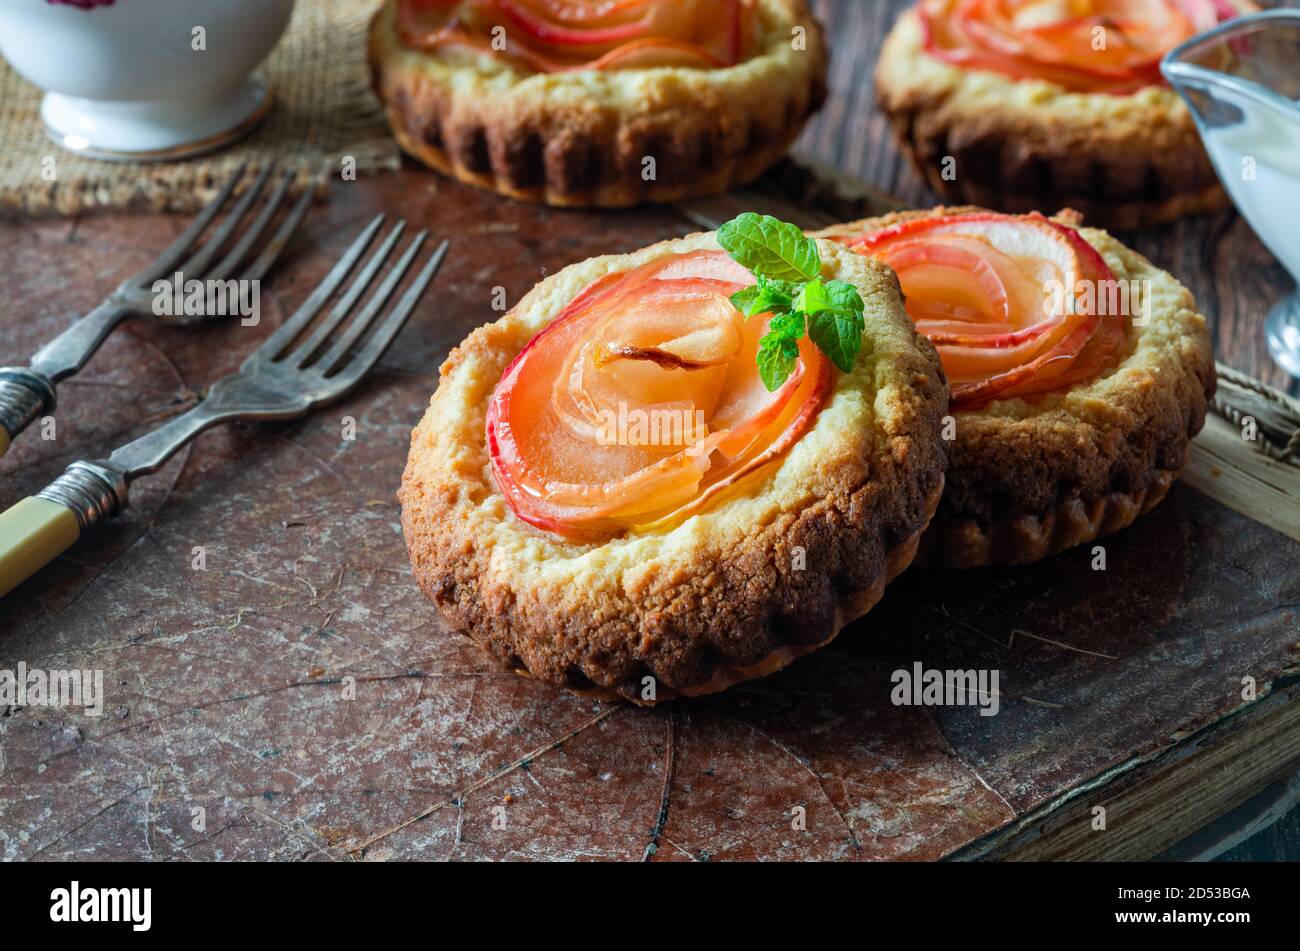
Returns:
point(27, 393)
point(281, 379)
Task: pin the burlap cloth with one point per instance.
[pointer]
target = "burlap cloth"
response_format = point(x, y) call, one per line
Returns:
point(323, 110)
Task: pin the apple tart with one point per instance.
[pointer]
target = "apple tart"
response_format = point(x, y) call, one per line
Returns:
point(1079, 374)
point(1025, 104)
point(627, 487)
point(586, 103)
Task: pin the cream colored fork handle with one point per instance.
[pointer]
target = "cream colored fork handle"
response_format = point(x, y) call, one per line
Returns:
point(37, 530)
point(32, 534)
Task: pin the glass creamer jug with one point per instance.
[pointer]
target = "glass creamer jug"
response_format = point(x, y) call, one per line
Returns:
point(1242, 83)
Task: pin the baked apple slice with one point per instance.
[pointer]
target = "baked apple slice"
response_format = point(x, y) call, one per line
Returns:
point(1010, 302)
point(642, 400)
point(551, 36)
point(1110, 46)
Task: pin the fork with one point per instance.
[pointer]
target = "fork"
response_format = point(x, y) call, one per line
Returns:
point(281, 379)
point(27, 393)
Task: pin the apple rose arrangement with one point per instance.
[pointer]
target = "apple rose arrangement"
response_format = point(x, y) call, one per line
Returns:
point(740, 343)
point(559, 35)
point(1111, 46)
point(1008, 300)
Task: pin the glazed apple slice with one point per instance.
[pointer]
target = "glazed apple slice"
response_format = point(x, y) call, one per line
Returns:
point(570, 24)
point(1057, 40)
point(563, 35)
point(994, 268)
point(654, 52)
point(632, 35)
point(1136, 32)
point(687, 325)
point(1107, 336)
point(1002, 298)
point(969, 293)
point(658, 352)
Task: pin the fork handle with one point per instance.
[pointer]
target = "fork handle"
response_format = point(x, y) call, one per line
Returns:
point(38, 529)
point(68, 352)
point(41, 527)
point(32, 534)
point(25, 395)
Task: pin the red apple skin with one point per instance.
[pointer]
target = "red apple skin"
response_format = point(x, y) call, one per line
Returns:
point(1013, 55)
point(1100, 337)
point(569, 521)
point(550, 41)
point(563, 36)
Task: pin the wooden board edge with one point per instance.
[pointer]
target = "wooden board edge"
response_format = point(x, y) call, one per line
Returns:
point(1152, 802)
point(1233, 472)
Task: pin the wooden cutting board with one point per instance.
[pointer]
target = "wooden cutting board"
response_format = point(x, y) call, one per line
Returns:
point(297, 697)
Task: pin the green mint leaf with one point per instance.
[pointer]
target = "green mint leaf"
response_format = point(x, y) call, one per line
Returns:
point(844, 297)
point(744, 297)
point(813, 298)
point(770, 247)
point(765, 297)
point(786, 326)
point(776, 359)
point(839, 335)
point(835, 320)
point(788, 285)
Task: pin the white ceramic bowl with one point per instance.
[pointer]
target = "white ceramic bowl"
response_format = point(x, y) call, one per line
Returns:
point(144, 79)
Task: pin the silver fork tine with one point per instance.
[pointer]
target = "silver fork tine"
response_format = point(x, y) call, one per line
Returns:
point(357, 327)
point(374, 348)
point(28, 392)
point(282, 235)
point(197, 264)
point(166, 262)
point(303, 352)
point(252, 233)
point(285, 333)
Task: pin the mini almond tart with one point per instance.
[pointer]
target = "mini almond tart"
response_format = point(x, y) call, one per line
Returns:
point(1095, 431)
point(571, 111)
point(997, 112)
point(701, 596)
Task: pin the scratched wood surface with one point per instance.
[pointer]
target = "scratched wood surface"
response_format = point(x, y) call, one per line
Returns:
point(226, 688)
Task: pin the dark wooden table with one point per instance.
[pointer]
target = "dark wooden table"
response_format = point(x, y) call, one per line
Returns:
point(297, 698)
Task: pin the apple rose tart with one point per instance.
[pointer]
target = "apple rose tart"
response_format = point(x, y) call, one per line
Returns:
point(598, 102)
point(1079, 374)
point(1025, 104)
point(627, 486)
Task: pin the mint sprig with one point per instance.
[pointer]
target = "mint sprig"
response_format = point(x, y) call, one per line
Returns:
point(790, 288)
point(768, 246)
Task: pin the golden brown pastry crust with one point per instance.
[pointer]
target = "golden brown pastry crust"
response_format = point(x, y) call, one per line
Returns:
point(1031, 477)
point(1020, 145)
point(581, 139)
point(721, 597)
